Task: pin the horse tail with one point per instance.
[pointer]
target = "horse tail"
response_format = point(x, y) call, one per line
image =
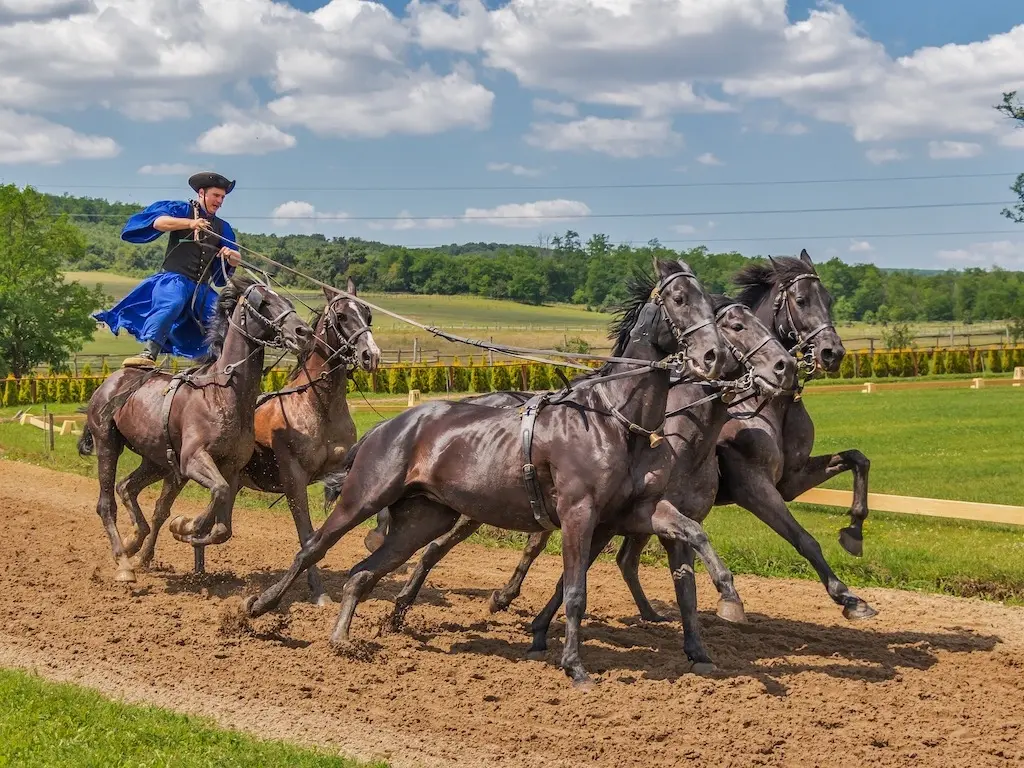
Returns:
point(86, 443)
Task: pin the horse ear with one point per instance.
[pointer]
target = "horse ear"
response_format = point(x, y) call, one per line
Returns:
point(351, 286)
point(328, 293)
point(805, 258)
point(663, 268)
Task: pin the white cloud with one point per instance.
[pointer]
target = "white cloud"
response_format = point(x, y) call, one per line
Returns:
point(31, 139)
point(878, 155)
point(12, 11)
point(299, 215)
point(861, 246)
point(1013, 139)
point(435, 29)
point(514, 169)
point(529, 214)
point(406, 221)
point(952, 150)
point(560, 108)
point(708, 158)
point(610, 136)
point(251, 138)
point(1002, 253)
point(167, 169)
point(684, 229)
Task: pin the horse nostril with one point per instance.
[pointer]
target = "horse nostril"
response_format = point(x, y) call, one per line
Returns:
point(709, 359)
point(781, 366)
point(827, 354)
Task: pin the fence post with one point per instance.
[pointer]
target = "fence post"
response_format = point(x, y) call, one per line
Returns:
point(490, 353)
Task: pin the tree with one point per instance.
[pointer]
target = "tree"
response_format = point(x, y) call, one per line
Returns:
point(43, 318)
point(1013, 109)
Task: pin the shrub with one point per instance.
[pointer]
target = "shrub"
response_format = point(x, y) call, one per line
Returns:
point(939, 362)
point(25, 391)
point(847, 368)
point(908, 365)
point(501, 378)
point(438, 379)
point(977, 365)
point(881, 365)
point(419, 380)
point(995, 361)
point(864, 365)
point(360, 380)
point(10, 397)
point(398, 382)
point(539, 377)
point(479, 380)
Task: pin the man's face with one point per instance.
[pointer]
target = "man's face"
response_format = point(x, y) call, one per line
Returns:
point(212, 198)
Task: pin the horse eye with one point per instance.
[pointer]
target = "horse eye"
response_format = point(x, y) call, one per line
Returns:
point(679, 301)
point(801, 301)
point(737, 326)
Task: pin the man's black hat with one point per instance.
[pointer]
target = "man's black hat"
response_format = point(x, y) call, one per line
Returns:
point(206, 179)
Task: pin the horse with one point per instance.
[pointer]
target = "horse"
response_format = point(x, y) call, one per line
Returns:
point(695, 417)
point(194, 425)
point(576, 462)
point(764, 450)
point(304, 430)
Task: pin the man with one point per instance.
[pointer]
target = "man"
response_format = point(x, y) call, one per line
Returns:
point(169, 311)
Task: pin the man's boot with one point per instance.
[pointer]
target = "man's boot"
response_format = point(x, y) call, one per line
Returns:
point(146, 358)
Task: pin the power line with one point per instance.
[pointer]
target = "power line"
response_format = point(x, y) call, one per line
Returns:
point(535, 187)
point(492, 217)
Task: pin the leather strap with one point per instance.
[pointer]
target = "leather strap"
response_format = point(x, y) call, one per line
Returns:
point(533, 489)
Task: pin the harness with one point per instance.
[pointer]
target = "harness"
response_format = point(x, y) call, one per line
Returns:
point(803, 348)
point(533, 406)
point(251, 302)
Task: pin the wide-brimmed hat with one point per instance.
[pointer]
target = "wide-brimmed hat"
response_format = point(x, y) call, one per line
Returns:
point(205, 179)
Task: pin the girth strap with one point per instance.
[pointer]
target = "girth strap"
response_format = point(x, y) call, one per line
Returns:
point(165, 417)
point(533, 489)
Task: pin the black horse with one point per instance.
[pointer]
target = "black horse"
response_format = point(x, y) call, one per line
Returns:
point(583, 461)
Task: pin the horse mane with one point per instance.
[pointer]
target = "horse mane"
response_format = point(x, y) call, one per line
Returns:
point(218, 330)
point(756, 280)
point(720, 301)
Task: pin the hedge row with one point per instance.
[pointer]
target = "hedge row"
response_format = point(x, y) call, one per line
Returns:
point(399, 379)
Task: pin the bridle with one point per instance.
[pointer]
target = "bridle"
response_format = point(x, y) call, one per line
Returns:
point(803, 348)
point(252, 300)
point(681, 335)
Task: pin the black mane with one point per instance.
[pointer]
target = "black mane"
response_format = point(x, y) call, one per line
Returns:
point(226, 303)
point(720, 301)
point(756, 280)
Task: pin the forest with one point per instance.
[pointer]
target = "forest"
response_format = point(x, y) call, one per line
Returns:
point(590, 273)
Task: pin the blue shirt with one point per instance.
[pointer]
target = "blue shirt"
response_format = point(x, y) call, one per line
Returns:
point(139, 228)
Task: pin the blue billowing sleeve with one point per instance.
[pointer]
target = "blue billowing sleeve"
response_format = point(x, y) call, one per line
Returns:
point(223, 268)
point(139, 228)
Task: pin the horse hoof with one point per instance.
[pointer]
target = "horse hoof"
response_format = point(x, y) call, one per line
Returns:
point(537, 654)
point(247, 605)
point(496, 604)
point(373, 541)
point(703, 668)
point(180, 526)
point(654, 618)
point(732, 611)
point(584, 684)
point(219, 534)
point(324, 601)
point(858, 610)
point(141, 562)
point(852, 542)
point(125, 576)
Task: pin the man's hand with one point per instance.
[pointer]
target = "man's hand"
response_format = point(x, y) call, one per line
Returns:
point(233, 257)
point(198, 224)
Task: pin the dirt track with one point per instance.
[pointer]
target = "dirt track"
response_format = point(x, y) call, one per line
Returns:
point(930, 681)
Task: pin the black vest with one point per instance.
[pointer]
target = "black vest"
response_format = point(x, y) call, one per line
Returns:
point(191, 258)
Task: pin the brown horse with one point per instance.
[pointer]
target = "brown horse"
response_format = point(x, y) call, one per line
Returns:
point(764, 449)
point(696, 415)
point(303, 430)
point(581, 461)
point(195, 425)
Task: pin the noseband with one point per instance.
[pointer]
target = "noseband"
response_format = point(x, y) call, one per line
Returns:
point(681, 335)
point(803, 345)
point(251, 304)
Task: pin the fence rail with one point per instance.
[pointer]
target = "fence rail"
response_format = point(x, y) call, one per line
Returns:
point(912, 505)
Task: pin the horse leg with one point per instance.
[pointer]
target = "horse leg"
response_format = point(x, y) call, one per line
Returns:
point(759, 495)
point(376, 537)
point(147, 473)
point(817, 470)
point(108, 452)
point(577, 532)
point(168, 494)
point(408, 531)
point(541, 624)
point(213, 525)
point(435, 550)
point(502, 598)
point(294, 481)
point(628, 561)
point(680, 563)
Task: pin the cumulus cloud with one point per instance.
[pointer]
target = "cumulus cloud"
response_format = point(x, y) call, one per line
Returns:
point(406, 221)
point(251, 138)
point(880, 155)
point(952, 150)
point(299, 215)
point(12, 11)
point(167, 169)
point(514, 169)
point(708, 158)
point(32, 139)
point(527, 214)
point(1008, 254)
point(861, 246)
point(615, 137)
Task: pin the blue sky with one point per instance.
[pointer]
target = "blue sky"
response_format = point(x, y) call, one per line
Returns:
point(307, 105)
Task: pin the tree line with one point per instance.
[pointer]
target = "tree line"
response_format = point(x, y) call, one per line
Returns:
point(568, 269)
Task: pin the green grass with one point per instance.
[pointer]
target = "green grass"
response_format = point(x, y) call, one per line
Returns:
point(957, 444)
point(46, 724)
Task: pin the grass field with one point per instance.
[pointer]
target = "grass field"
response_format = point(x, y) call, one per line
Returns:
point(957, 444)
point(47, 725)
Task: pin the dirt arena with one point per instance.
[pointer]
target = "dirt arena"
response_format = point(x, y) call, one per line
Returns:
point(930, 681)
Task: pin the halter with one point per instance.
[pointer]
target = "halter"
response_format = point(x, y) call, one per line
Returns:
point(679, 334)
point(803, 344)
point(251, 308)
